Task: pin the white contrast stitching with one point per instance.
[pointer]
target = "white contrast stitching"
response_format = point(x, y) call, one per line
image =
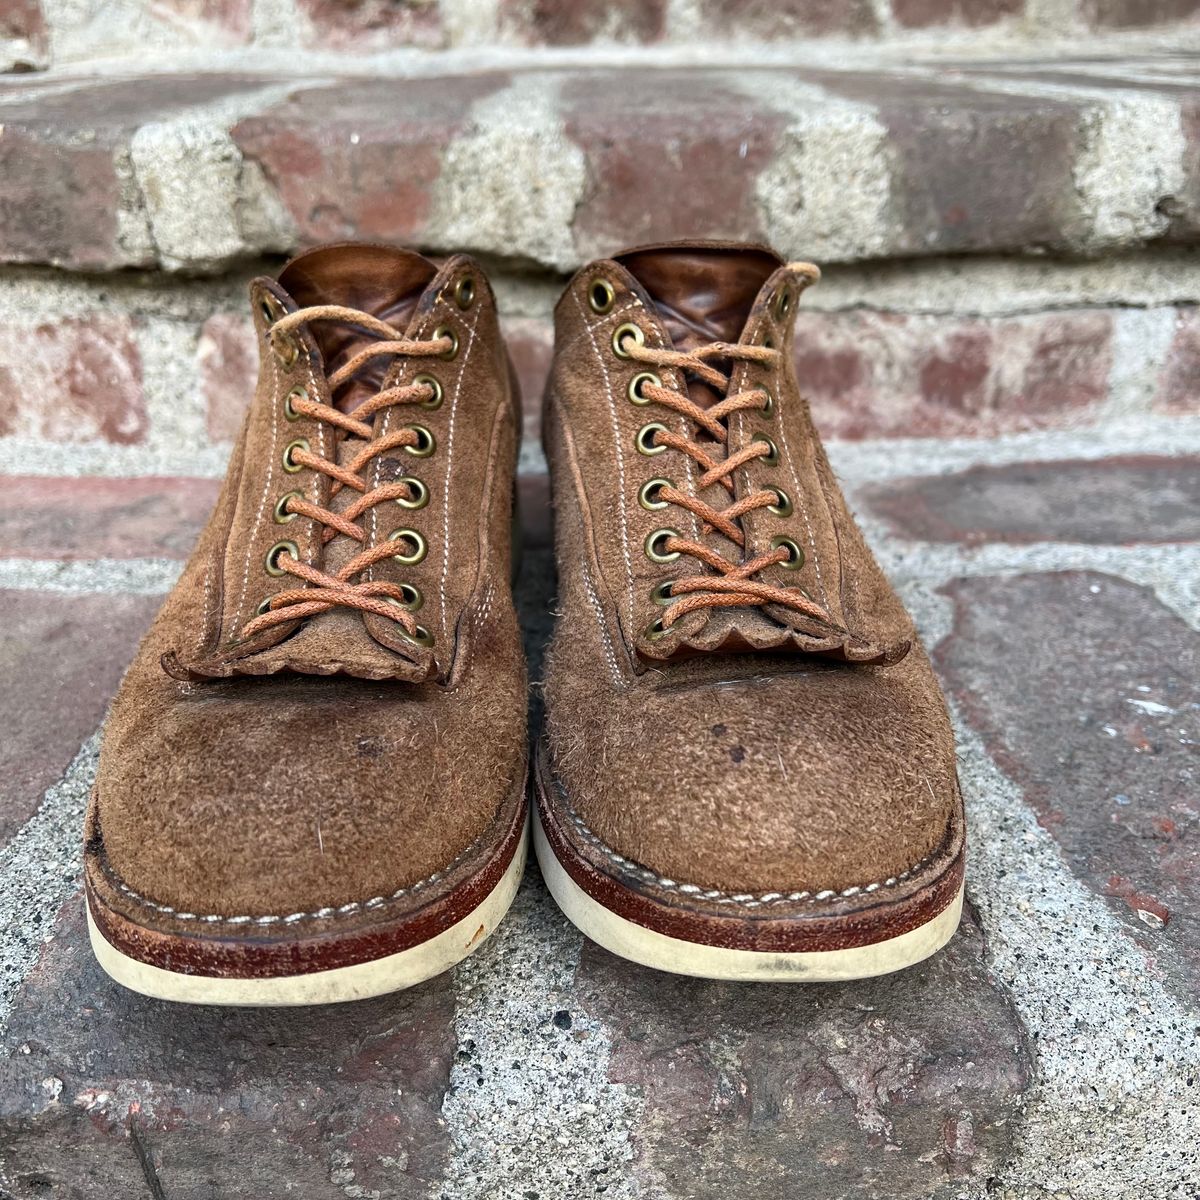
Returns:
point(744, 899)
point(462, 367)
point(616, 428)
point(609, 653)
point(319, 914)
point(262, 505)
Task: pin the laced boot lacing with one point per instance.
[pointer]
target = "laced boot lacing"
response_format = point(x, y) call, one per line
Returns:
point(733, 584)
point(327, 591)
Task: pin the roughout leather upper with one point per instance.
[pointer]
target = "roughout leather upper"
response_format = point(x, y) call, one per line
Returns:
point(750, 749)
point(329, 761)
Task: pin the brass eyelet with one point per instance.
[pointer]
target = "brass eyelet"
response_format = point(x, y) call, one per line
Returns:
point(464, 292)
point(285, 346)
point(266, 306)
point(660, 594)
point(601, 296)
point(647, 491)
point(771, 458)
point(795, 559)
point(645, 435)
point(783, 505)
point(264, 607)
point(651, 546)
point(413, 598)
point(628, 330)
point(422, 636)
point(425, 442)
point(289, 465)
point(289, 411)
point(634, 390)
point(769, 407)
point(655, 630)
point(282, 516)
point(420, 548)
point(444, 331)
point(783, 303)
point(271, 561)
point(420, 497)
point(434, 401)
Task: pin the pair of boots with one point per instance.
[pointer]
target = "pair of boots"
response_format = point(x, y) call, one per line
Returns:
point(312, 785)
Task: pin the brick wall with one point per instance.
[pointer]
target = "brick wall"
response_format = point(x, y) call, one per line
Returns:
point(33, 33)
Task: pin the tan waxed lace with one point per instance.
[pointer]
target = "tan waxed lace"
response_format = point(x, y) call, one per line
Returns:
point(734, 584)
point(342, 590)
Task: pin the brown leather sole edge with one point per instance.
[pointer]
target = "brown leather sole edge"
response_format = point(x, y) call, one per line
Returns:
point(844, 923)
point(270, 955)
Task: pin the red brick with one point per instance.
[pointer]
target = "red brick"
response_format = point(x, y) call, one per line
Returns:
point(1128, 14)
point(973, 168)
point(223, 21)
point(1112, 501)
point(1084, 690)
point(921, 14)
point(655, 171)
point(319, 1103)
point(536, 524)
point(531, 346)
point(77, 379)
point(1179, 384)
point(873, 374)
point(771, 20)
point(367, 25)
point(89, 518)
point(359, 160)
point(60, 192)
point(814, 1092)
point(23, 21)
point(61, 658)
point(228, 354)
point(573, 22)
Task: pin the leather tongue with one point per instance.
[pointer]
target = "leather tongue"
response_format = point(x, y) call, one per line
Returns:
point(381, 280)
point(703, 294)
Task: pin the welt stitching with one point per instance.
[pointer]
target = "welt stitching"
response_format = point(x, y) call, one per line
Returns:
point(742, 899)
point(319, 914)
point(616, 428)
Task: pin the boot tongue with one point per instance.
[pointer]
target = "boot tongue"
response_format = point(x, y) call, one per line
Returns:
point(380, 280)
point(702, 294)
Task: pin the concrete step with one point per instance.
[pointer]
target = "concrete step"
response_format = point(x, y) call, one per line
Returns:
point(548, 167)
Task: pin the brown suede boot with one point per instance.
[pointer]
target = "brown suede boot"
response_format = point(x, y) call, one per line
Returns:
point(312, 781)
point(748, 771)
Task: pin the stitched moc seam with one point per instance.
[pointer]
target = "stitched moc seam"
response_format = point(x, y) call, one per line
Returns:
point(742, 899)
point(321, 914)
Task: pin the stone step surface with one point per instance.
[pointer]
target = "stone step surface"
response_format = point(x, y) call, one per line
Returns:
point(550, 166)
point(1053, 1050)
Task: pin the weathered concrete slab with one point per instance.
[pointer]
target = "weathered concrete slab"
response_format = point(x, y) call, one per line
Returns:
point(905, 1086)
point(105, 1093)
point(1084, 689)
point(1112, 501)
point(61, 658)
